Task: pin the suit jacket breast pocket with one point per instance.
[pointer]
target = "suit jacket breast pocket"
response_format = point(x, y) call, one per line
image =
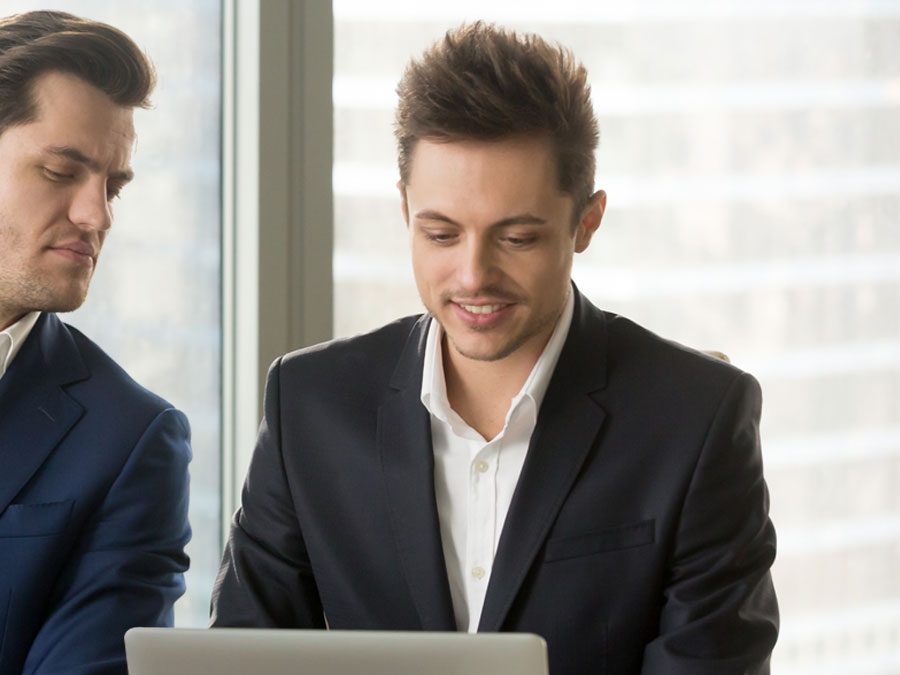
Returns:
point(35, 520)
point(601, 541)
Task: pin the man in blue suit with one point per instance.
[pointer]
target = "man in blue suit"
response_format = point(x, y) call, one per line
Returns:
point(516, 459)
point(93, 467)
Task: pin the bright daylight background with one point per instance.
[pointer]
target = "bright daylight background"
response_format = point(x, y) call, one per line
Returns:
point(751, 152)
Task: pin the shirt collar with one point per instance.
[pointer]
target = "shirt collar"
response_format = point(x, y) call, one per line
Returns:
point(12, 338)
point(434, 386)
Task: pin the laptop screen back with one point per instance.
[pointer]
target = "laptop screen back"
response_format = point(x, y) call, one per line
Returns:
point(245, 651)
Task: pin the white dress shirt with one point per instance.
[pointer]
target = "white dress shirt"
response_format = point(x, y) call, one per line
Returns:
point(474, 479)
point(11, 339)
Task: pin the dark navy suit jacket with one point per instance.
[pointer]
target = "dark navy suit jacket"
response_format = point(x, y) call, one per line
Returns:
point(93, 507)
point(638, 538)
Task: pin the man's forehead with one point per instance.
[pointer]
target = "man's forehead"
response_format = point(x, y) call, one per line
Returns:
point(507, 166)
point(76, 120)
point(56, 91)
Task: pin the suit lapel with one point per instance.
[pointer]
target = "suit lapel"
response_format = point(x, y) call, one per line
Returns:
point(35, 412)
point(404, 444)
point(567, 428)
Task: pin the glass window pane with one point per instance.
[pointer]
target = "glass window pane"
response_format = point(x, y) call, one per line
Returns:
point(154, 303)
point(751, 153)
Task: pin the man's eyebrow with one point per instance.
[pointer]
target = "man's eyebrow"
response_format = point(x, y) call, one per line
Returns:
point(518, 219)
point(75, 155)
point(428, 214)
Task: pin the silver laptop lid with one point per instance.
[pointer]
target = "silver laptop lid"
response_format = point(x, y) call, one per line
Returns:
point(254, 651)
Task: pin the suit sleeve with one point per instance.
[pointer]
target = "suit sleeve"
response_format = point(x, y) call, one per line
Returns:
point(720, 614)
point(128, 564)
point(266, 579)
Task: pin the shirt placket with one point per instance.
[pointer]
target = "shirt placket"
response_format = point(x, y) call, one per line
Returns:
point(481, 525)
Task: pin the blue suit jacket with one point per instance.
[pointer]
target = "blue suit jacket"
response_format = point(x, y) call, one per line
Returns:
point(93, 506)
point(637, 541)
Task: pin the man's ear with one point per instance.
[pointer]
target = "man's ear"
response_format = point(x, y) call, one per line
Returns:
point(590, 220)
point(403, 206)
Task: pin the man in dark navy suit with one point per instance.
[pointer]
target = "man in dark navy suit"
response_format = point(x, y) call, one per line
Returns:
point(93, 467)
point(516, 459)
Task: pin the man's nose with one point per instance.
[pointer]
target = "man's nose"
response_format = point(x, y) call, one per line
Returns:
point(477, 264)
point(90, 208)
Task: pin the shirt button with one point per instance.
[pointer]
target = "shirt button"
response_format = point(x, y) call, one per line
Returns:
point(481, 466)
point(478, 572)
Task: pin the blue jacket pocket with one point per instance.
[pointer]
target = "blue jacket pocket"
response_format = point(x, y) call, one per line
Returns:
point(35, 520)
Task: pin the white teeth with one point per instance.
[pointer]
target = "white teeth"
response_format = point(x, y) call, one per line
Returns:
point(481, 309)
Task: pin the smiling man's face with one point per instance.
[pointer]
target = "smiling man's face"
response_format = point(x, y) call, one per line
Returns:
point(58, 176)
point(492, 242)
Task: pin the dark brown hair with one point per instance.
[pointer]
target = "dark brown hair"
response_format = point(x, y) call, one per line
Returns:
point(34, 43)
point(482, 82)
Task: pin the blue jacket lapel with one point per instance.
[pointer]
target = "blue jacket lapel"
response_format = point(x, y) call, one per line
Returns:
point(404, 444)
point(567, 427)
point(35, 411)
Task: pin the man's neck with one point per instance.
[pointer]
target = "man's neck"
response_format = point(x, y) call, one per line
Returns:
point(481, 391)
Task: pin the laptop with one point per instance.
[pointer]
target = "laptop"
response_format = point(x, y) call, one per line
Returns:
point(256, 651)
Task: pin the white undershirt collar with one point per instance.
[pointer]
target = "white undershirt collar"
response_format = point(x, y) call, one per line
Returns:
point(12, 338)
point(434, 385)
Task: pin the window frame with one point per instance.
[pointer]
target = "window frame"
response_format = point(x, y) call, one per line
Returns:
point(277, 230)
